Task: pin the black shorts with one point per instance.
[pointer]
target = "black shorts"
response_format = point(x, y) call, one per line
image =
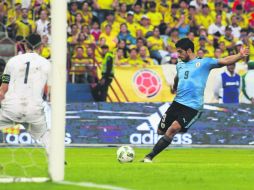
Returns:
point(185, 116)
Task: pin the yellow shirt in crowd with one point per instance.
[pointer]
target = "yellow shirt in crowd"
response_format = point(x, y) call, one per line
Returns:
point(110, 40)
point(155, 18)
point(146, 29)
point(137, 17)
point(120, 19)
point(128, 2)
point(98, 55)
point(105, 4)
point(45, 52)
point(148, 61)
point(135, 62)
point(79, 64)
point(170, 19)
point(204, 20)
point(226, 41)
point(251, 52)
point(157, 43)
point(87, 17)
point(115, 27)
point(25, 29)
point(132, 27)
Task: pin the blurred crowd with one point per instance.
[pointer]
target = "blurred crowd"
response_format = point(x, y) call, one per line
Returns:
point(26, 20)
point(137, 32)
point(144, 32)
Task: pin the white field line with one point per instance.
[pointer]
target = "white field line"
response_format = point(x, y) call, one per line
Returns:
point(93, 185)
point(23, 179)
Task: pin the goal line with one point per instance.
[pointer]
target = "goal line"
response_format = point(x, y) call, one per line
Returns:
point(24, 179)
point(171, 146)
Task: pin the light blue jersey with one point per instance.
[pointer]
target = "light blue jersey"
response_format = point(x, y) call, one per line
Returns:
point(192, 77)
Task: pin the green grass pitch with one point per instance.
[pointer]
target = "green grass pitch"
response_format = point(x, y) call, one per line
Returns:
point(176, 169)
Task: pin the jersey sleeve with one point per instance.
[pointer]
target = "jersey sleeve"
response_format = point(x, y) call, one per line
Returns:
point(7, 69)
point(212, 63)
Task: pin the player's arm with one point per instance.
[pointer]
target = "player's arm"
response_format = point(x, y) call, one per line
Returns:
point(244, 52)
point(6, 77)
point(174, 88)
point(4, 86)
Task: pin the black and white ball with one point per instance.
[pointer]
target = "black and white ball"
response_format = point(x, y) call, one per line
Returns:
point(125, 154)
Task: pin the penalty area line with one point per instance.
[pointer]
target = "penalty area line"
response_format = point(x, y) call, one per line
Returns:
point(93, 185)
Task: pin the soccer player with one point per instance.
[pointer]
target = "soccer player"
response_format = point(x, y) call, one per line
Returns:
point(192, 74)
point(21, 93)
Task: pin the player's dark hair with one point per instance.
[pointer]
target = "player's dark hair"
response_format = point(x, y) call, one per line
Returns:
point(185, 44)
point(33, 41)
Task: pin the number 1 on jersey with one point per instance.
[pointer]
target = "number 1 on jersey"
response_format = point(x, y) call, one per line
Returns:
point(27, 72)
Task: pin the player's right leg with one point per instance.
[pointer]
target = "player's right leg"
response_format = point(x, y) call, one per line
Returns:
point(168, 127)
point(5, 121)
point(39, 128)
point(164, 141)
point(183, 117)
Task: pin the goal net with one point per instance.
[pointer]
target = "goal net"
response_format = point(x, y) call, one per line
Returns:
point(22, 158)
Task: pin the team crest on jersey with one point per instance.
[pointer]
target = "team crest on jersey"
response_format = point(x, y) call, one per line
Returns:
point(198, 64)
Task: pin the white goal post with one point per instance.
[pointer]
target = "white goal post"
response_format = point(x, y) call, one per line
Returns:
point(58, 90)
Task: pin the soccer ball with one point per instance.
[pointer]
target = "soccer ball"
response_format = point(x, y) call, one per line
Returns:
point(125, 154)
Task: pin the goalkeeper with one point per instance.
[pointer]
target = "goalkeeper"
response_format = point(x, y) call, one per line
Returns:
point(21, 93)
